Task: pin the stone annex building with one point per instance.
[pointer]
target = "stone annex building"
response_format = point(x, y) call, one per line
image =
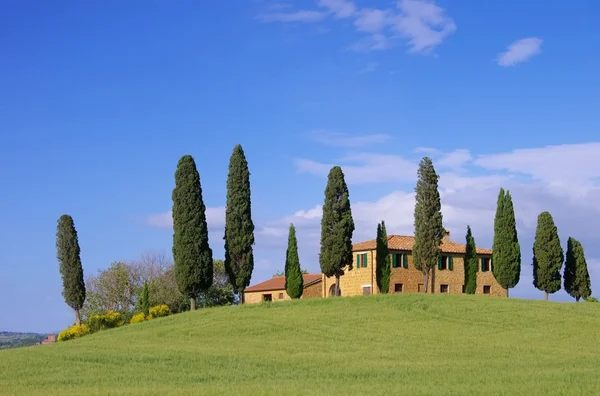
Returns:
point(447, 277)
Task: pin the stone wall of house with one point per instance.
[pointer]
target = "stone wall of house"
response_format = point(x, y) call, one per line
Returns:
point(281, 295)
point(352, 283)
point(312, 291)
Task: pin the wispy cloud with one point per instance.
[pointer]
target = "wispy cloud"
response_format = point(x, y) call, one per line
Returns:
point(520, 51)
point(297, 16)
point(422, 24)
point(339, 139)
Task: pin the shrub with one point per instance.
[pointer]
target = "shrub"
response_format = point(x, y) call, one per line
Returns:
point(591, 299)
point(74, 332)
point(160, 311)
point(137, 318)
point(108, 320)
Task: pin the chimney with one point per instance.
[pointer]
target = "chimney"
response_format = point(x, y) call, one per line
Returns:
point(446, 237)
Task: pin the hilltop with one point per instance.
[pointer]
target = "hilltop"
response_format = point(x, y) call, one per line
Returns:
point(407, 344)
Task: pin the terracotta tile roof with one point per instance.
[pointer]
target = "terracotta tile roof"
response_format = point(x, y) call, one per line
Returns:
point(278, 283)
point(402, 242)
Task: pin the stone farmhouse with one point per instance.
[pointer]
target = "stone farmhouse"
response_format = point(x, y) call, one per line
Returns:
point(446, 278)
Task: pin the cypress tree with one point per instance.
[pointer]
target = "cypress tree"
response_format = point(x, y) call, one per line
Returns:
point(193, 261)
point(145, 303)
point(576, 277)
point(383, 268)
point(337, 227)
point(547, 255)
point(506, 251)
point(471, 264)
point(69, 261)
point(239, 228)
point(294, 283)
point(428, 220)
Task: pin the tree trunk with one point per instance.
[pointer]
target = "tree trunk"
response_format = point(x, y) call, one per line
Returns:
point(507, 292)
point(77, 317)
point(242, 297)
point(425, 280)
point(192, 304)
point(577, 299)
point(337, 285)
point(546, 296)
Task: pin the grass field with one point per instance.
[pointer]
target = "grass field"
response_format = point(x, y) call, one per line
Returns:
point(407, 344)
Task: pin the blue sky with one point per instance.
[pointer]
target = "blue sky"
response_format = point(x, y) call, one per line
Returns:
point(98, 101)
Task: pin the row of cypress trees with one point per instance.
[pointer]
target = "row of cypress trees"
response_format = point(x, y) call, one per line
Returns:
point(192, 255)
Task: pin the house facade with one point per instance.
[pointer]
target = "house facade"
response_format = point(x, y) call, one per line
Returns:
point(447, 277)
point(274, 289)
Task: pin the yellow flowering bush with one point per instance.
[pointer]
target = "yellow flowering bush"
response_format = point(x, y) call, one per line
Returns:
point(160, 310)
point(137, 318)
point(74, 332)
point(108, 320)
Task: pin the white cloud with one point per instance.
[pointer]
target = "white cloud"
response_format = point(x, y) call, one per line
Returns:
point(455, 159)
point(339, 8)
point(421, 23)
point(298, 16)
point(424, 23)
point(372, 168)
point(215, 218)
point(520, 51)
point(338, 139)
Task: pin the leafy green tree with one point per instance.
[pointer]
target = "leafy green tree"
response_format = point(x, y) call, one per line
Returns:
point(471, 264)
point(576, 277)
point(69, 260)
point(145, 302)
point(239, 228)
point(294, 283)
point(337, 227)
point(428, 220)
point(383, 268)
point(506, 251)
point(221, 291)
point(191, 251)
point(548, 256)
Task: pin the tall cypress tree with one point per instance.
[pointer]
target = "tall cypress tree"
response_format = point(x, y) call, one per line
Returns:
point(239, 228)
point(576, 277)
point(69, 261)
point(192, 254)
point(548, 256)
point(428, 220)
point(383, 268)
point(337, 227)
point(294, 283)
point(471, 263)
point(506, 251)
point(145, 303)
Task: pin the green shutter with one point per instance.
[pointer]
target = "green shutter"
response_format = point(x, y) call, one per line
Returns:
point(405, 260)
point(366, 259)
point(440, 263)
point(358, 261)
point(394, 260)
point(450, 263)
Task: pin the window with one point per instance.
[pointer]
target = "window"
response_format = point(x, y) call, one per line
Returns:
point(485, 264)
point(362, 260)
point(399, 260)
point(267, 297)
point(445, 263)
point(366, 290)
point(281, 296)
point(486, 289)
point(397, 287)
point(444, 289)
point(420, 288)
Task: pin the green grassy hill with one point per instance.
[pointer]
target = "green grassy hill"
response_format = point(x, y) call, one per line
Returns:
point(395, 345)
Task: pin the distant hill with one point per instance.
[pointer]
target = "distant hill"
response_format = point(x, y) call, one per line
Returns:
point(10, 339)
point(399, 344)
